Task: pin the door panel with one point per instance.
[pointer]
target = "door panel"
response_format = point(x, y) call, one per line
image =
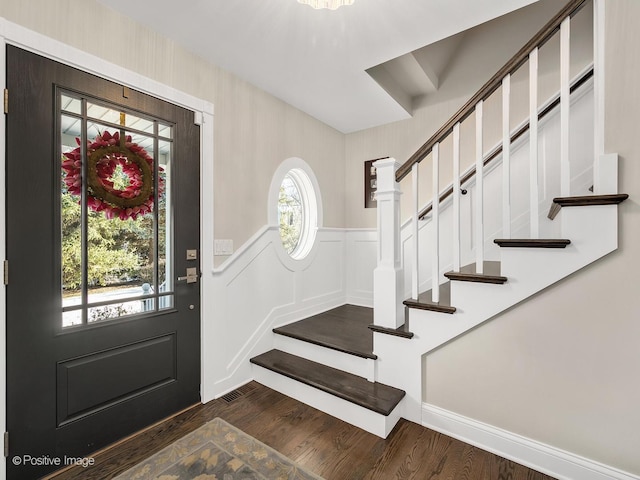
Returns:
point(98, 380)
point(73, 389)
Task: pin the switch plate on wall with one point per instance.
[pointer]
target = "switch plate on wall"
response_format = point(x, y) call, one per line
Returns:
point(223, 247)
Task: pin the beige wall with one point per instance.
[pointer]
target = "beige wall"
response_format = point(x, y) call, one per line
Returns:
point(563, 367)
point(254, 132)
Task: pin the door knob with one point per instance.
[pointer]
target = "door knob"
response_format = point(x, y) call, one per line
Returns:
point(191, 276)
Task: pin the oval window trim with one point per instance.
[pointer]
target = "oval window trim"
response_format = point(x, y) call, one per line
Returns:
point(305, 181)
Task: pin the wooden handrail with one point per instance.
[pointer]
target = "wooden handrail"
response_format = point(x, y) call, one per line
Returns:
point(492, 85)
point(514, 136)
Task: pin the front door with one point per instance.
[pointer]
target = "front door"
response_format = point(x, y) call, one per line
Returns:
point(103, 322)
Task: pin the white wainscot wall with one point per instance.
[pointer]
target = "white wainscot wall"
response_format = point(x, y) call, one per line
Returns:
point(260, 287)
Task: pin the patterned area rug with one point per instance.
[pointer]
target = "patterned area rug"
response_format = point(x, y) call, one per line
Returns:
point(217, 451)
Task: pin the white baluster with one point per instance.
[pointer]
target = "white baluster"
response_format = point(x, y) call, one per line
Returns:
point(533, 144)
point(435, 226)
point(415, 279)
point(565, 166)
point(506, 157)
point(479, 231)
point(456, 197)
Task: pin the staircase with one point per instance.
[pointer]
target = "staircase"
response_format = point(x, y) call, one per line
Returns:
point(462, 265)
point(327, 361)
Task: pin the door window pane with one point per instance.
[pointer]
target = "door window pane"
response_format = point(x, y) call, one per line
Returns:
point(115, 213)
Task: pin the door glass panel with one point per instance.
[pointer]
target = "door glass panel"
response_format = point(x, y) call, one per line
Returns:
point(164, 130)
point(70, 104)
point(165, 238)
point(116, 223)
point(71, 215)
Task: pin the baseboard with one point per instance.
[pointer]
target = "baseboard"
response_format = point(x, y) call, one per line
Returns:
point(549, 460)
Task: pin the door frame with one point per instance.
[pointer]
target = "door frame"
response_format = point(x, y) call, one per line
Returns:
point(13, 34)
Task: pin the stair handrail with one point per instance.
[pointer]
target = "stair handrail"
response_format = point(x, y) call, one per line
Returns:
point(495, 152)
point(569, 10)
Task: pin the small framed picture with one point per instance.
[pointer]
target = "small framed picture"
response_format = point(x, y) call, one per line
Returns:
point(370, 183)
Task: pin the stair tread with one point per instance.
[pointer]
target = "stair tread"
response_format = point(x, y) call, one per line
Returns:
point(424, 302)
point(401, 331)
point(373, 396)
point(585, 200)
point(490, 273)
point(344, 329)
point(533, 242)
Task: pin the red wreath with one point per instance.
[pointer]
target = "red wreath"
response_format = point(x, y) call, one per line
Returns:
point(104, 155)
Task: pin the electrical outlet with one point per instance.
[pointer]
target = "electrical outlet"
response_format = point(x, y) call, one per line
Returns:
point(223, 247)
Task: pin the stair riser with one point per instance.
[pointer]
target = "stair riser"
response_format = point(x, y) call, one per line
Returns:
point(363, 367)
point(351, 413)
point(586, 223)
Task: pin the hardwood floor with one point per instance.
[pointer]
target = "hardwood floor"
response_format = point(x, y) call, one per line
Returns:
point(321, 443)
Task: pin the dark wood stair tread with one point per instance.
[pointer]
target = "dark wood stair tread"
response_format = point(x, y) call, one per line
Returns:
point(490, 273)
point(533, 242)
point(373, 396)
point(584, 200)
point(423, 302)
point(344, 329)
point(401, 331)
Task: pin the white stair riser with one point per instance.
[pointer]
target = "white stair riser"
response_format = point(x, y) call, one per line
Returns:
point(351, 413)
point(363, 367)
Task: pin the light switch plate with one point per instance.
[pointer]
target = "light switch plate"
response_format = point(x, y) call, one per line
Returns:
point(223, 247)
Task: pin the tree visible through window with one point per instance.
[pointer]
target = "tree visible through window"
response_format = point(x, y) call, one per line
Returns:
point(291, 214)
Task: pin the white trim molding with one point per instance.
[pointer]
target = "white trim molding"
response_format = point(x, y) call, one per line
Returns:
point(544, 458)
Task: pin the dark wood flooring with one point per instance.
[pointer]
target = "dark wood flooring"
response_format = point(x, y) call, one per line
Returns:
point(321, 443)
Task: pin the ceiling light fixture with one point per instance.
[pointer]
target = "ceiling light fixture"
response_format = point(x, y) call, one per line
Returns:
point(330, 4)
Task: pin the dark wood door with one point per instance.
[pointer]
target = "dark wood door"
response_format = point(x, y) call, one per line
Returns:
point(103, 330)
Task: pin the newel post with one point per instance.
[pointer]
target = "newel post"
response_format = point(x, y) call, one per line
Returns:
point(388, 288)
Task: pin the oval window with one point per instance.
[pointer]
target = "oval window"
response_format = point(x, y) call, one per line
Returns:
point(291, 214)
point(297, 213)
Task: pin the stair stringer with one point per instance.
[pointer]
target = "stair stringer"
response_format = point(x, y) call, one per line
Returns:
point(593, 231)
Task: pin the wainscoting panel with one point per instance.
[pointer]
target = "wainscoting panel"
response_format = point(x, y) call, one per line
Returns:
point(361, 261)
point(325, 276)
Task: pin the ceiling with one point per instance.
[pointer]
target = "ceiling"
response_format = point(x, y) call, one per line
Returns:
point(322, 62)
